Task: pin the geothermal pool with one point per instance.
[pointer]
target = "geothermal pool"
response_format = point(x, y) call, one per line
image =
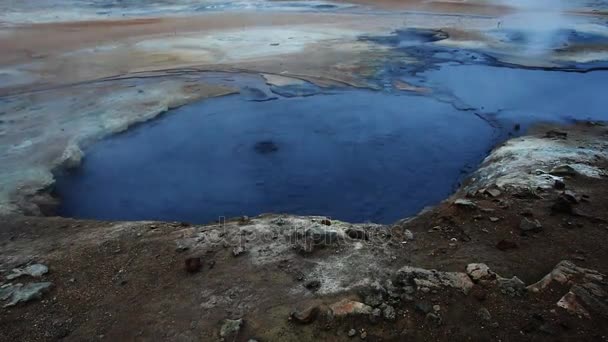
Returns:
point(355, 155)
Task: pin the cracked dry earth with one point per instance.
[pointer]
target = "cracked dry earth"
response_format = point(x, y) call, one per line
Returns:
point(516, 254)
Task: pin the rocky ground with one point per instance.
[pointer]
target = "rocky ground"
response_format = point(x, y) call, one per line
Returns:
point(516, 254)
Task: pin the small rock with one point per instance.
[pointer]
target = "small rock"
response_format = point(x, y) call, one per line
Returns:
point(20, 293)
point(313, 285)
point(530, 226)
point(305, 316)
point(34, 270)
point(559, 185)
point(563, 170)
point(504, 245)
point(408, 235)
point(493, 192)
point(513, 287)
point(236, 251)
point(480, 272)
point(389, 313)
point(373, 299)
point(484, 315)
point(433, 319)
point(352, 333)
point(193, 265)
point(181, 248)
point(436, 308)
point(465, 203)
point(571, 196)
point(494, 219)
point(231, 327)
point(363, 335)
point(326, 222)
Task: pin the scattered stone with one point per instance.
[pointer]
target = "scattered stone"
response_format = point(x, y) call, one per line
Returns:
point(504, 245)
point(494, 219)
point(313, 285)
point(408, 235)
point(363, 335)
point(433, 319)
point(480, 272)
point(563, 170)
point(373, 299)
point(231, 327)
point(588, 290)
point(571, 196)
point(565, 272)
point(465, 203)
point(493, 192)
point(389, 312)
point(434, 279)
point(193, 265)
point(352, 333)
point(181, 248)
point(326, 222)
point(436, 308)
point(513, 287)
point(559, 185)
point(484, 315)
point(529, 226)
point(305, 316)
point(347, 307)
point(34, 270)
point(20, 293)
point(239, 250)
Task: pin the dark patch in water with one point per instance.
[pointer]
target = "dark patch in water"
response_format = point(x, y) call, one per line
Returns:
point(266, 147)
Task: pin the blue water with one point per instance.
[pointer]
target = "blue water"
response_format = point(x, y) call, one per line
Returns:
point(354, 155)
